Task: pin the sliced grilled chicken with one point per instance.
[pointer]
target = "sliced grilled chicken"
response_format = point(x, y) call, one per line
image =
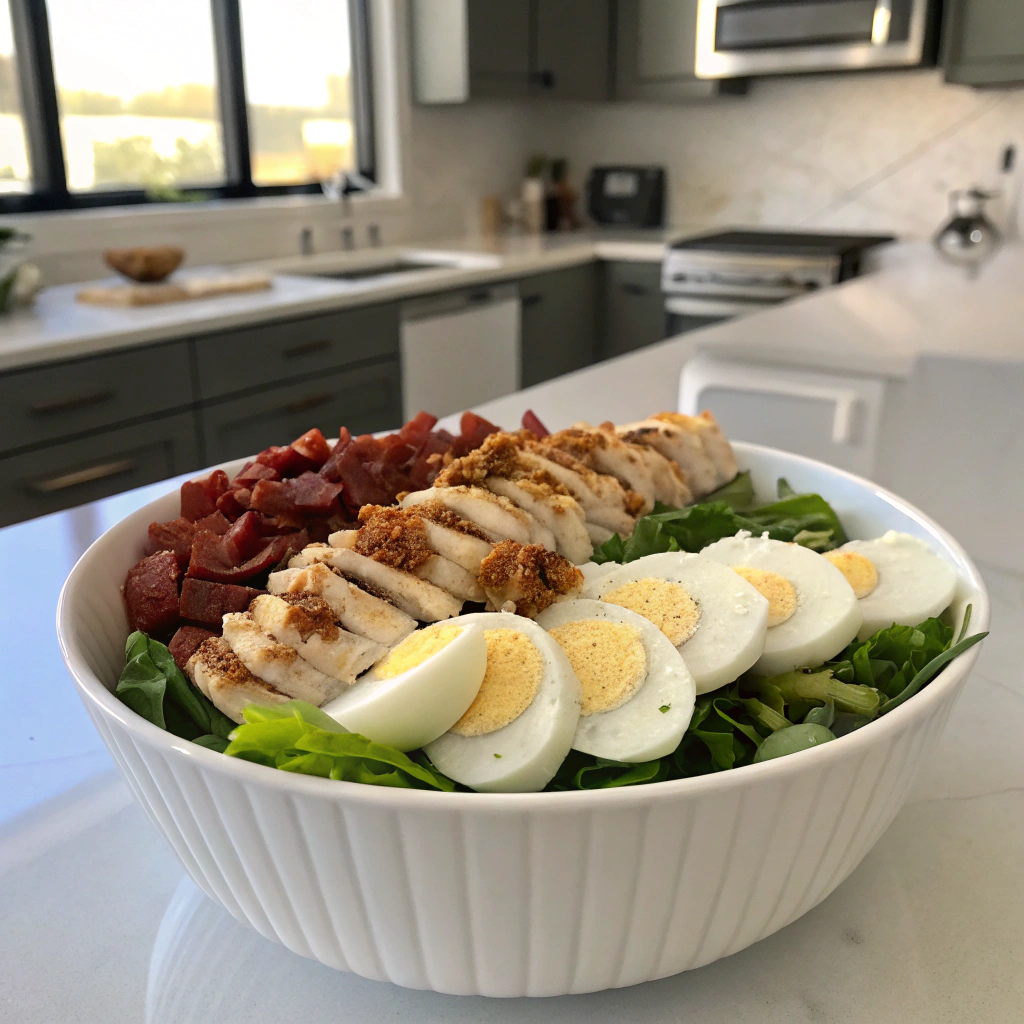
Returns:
point(496, 516)
point(671, 487)
point(306, 623)
point(560, 513)
point(717, 446)
point(459, 582)
point(598, 534)
point(527, 579)
point(221, 676)
point(465, 549)
point(681, 445)
point(277, 663)
point(416, 597)
point(358, 610)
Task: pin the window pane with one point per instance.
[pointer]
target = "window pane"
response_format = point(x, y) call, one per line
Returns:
point(298, 84)
point(14, 171)
point(136, 83)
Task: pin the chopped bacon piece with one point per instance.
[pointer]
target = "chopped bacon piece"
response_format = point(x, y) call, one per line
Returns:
point(532, 423)
point(418, 429)
point(428, 461)
point(186, 642)
point(288, 461)
point(218, 523)
point(329, 470)
point(475, 430)
point(229, 505)
point(199, 497)
point(211, 560)
point(208, 602)
point(175, 536)
point(253, 471)
point(313, 445)
point(151, 592)
point(244, 538)
point(307, 492)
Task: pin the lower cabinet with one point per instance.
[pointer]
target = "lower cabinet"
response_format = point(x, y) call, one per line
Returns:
point(634, 312)
point(364, 399)
point(89, 468)
point(559, 322)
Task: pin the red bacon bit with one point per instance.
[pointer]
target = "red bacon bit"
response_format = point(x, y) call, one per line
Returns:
point(186, 642)
point(418, 429)
point(218, 523)
point(532, 423)
point(174, 536)
point(199, 497)
point(288, 461)
point(230, 506)
point(253, 471)
point(208, 602)
point(151, 593)
point(307, 493)
point(475, 430)
point(313, 445)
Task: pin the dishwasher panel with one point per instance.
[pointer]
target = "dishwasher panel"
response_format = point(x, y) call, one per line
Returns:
point(459, 350)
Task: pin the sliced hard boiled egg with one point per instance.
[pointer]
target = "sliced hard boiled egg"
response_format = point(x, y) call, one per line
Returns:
point(417, 691)
point(517, 731)
point(812, 610)
point(638, 694)
point(714, 619)
point(897, 578)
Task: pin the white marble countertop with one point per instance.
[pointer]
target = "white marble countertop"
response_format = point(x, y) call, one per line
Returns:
point(59, 327)
point(101, 925)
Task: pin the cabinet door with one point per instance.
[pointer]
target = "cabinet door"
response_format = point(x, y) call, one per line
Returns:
point(499, 47)
point(655, 50)
point(983, 42)
point(365, 400)
point(74, 472)
point(573, 59)
point(634, 310)
point(559, 322)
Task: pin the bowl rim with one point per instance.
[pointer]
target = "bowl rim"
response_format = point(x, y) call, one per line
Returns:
point(102, 701)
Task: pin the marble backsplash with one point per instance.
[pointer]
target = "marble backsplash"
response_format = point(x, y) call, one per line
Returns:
point(874, 151)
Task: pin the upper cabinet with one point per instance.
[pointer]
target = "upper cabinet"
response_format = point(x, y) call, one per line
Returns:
point(477, 49)
point(983, 42)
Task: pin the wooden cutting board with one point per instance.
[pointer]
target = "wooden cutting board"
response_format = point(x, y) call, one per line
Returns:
point(162, 292)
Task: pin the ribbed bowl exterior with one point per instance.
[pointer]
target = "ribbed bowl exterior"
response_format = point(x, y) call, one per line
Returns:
point(508, 895)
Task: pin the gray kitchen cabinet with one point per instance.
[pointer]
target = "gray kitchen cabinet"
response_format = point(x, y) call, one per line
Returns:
point(86, 469)
point(634, 314)
point(559, 322)
point(500, 47)
point(572, 57)
point(983, 42)
point(255, 357)
point(60, 400)
point(655, 48)
point(365, 399)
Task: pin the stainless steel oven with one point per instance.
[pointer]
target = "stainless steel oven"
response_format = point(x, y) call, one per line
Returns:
point(737, 38)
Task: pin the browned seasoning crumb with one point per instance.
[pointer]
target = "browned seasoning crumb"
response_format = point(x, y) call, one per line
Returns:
point(440, 514)
point(393, 536)
point(528, 575)
point(312, 614)
point(501, 456)
point(216, 652)
point(365, 585)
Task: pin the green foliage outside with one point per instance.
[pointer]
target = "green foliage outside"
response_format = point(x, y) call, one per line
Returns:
point(134, 161)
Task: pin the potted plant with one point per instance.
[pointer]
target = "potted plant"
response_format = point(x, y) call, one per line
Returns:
point(19, 281)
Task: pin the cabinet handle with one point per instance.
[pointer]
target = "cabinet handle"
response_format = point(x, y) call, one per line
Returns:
point(635, 289)
point(70, 402)
point(83, 476)
point(306, 349)
point(545, 79)
point(309, 402)
point(481, 296)
point(532, 300)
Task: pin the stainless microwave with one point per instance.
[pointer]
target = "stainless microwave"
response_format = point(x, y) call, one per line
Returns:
point(737, 38)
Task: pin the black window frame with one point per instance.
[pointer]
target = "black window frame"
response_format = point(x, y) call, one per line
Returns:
point(40, 111)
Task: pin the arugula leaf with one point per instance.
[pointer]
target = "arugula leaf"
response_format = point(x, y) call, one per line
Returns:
point(297, 737)
point(791, 740)
point(738, 493)
point(930, 670)
point(153, 686)
point(800, 514)
point(804, 690)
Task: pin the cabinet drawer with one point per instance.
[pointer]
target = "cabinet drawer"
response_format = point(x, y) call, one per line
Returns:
point(634, 307)
point(260, 356)
point(364, 400)
point(36, 483)
point(64, 399)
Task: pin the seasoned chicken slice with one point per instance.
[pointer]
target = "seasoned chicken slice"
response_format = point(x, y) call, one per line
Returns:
point(560, 513)
point(527, 578)
point(716, 444)
point(496, 516)
point(358, 611)
point(306, 623)
point(418, 598)
point(222, 677)
point(276, 663)
point(598, 535)
point(682, 446)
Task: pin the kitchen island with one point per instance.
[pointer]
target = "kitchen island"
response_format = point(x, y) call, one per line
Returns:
point(102, 925)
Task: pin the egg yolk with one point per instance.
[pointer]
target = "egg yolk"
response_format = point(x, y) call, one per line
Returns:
point(860, 572)
point(608, 658)
point(662, 602)
point(514, 672)
point(777, 589)
point(415, 649)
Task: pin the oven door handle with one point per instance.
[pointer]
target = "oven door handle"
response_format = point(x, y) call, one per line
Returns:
point(687, 305)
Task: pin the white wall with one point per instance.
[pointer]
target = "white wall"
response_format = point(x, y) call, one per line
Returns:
point(861, 151)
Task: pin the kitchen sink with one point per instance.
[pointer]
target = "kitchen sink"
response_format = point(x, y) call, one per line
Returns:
point(382, 270)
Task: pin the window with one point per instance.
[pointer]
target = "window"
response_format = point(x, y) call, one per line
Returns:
point(120, 102)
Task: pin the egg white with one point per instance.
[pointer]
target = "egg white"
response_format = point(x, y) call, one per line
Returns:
point(407, 711)
point(730, 634)
point(637, 730)
point(914, 583)
point(827, 615)
point(530, 748)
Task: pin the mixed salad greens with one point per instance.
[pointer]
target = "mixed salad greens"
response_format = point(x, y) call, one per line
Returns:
point(752, 720)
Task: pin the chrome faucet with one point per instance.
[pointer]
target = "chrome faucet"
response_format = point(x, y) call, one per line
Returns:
point(306, 241)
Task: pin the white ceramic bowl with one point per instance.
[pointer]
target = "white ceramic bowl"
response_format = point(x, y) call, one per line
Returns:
point(519, 894)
